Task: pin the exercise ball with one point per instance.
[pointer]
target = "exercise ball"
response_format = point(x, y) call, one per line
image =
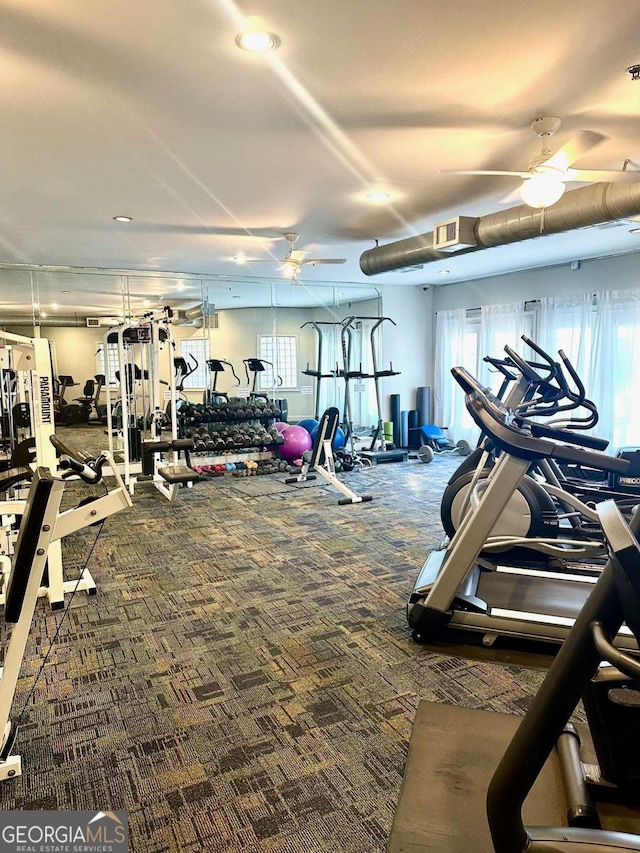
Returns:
point(296, 442)
point(339, 439)
point(308, 423)
point(281, 425)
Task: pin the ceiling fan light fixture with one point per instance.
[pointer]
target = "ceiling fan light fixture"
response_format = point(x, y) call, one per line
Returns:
point(121, 218)
point(542, 190)
point(258, 41)
point(291, 269)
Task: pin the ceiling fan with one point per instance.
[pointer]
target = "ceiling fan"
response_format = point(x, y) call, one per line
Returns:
point(545, 178)
point(294, 259)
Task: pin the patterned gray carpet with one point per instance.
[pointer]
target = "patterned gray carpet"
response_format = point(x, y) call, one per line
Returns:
point(245, 680)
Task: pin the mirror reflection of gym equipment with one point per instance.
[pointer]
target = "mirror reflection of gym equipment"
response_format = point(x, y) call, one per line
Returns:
point(136, 421)
point(80, 409)
point(380, 449)
point(212, 394)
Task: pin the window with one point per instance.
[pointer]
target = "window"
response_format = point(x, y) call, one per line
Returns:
point(281, 351)
point(197, 348)
point(111, 363)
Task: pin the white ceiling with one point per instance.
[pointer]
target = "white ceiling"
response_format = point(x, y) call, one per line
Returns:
point(149, 108)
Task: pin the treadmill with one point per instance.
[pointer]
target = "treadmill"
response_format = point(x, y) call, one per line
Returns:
point(454, 590)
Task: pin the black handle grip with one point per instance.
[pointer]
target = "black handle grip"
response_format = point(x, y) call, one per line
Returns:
point(545, 355)
point(558, 434)
point(523, 366)
point(590, 458)
point(87, 467)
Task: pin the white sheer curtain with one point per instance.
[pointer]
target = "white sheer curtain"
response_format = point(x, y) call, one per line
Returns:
point(330, 391)
point(568, 323)
point(499, 325)
point(615, 357)
point(448, 398)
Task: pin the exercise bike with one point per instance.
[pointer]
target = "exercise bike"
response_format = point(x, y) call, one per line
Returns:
point(65, 413)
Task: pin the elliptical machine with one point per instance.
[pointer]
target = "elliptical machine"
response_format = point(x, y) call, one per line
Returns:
point(530, 528)
point(211, 394)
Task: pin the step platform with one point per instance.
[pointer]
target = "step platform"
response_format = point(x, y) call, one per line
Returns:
point(378, 457)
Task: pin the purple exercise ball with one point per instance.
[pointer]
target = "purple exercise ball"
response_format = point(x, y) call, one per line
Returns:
point(296, 441)
point(281, 425)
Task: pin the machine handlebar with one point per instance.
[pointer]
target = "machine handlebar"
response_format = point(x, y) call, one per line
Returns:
point(88, 468)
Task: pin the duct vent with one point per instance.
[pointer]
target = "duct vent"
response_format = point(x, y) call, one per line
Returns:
point(93, 322)
point(455, 234)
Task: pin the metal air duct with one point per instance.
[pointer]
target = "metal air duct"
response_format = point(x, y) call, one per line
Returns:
point(9, 320)
point(579, 208)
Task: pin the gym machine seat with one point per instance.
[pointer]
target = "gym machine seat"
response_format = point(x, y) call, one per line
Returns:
point(173, 474)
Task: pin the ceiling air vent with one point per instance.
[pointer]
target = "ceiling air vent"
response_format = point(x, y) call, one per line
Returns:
point(93, 322)
point(455, 234)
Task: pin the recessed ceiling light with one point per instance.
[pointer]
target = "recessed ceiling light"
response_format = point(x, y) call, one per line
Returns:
point(55, 306)
point(235, 297)
point(443, 272)
point(634, 231)
point(123, 218)
point(65, 291)
point(378, 196)
point(257, 41)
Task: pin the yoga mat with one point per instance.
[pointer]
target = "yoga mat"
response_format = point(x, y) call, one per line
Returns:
point(387, 427)
point(394, 404)
point(423, 404)
point(414, 429)
point(404, 428)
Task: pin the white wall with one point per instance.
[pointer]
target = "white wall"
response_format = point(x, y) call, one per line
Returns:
point(408, 344)
point(617, 273)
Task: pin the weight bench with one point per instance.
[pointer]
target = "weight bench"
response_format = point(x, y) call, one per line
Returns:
point(320, 459)
point(175, 475)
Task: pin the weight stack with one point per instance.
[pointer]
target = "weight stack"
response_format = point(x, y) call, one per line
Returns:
point(394, 404)
point(423, 405)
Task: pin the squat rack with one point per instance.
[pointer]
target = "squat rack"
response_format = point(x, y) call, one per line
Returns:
point(318, 374)
point(379, 450)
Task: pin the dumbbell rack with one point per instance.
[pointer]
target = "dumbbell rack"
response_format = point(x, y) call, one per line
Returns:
point(248, 453)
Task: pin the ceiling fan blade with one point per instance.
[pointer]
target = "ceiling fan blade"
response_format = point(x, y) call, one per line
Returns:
point(513, 197)
point(256, 261)
point(325, 261)
point(574, 149)
point(296, 255)
point(607, 176)
point(483, 172)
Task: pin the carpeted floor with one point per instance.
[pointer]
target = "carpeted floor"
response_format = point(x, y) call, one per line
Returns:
point(245, 680)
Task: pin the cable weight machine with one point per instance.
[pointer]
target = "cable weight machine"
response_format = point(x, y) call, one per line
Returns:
point(144, 413)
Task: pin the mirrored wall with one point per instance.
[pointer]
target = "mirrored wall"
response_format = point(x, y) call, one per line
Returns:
point(293, 328)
